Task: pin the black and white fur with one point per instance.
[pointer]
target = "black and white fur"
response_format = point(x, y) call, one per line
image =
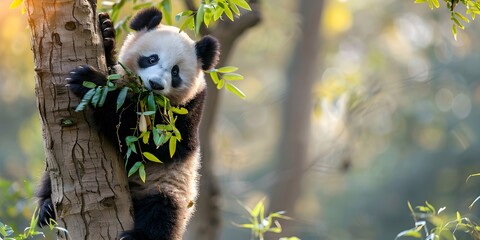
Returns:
point(171, 64)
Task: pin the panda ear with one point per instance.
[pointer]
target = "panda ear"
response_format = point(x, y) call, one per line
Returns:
point(148, 18)
point(208, 52)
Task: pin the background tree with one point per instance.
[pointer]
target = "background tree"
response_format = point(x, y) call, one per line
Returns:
point(89, 185)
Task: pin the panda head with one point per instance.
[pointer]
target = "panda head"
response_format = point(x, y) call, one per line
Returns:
point(167, 61)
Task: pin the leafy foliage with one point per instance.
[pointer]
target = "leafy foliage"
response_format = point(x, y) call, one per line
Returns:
point(430, 224)
point(472, 8)
point(224, 76)
point(260, 224)
point(6, 231)
point(148, 106)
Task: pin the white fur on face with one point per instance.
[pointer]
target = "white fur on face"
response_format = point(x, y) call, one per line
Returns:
point(173, 48)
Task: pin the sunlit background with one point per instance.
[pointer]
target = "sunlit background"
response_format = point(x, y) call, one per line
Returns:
point(395, 118)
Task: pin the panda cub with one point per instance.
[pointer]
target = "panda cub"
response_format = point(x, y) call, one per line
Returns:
point(171, 64)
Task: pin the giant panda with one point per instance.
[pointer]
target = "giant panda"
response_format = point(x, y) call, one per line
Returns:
point(171, 64)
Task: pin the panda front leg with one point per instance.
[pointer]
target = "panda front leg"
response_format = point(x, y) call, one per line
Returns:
point(156, 218)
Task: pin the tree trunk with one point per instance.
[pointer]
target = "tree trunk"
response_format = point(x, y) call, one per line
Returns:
point(89, 183)
point(293, 150)
point(206, 222)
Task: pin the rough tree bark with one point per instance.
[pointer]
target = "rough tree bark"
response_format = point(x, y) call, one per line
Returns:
point(301, 73)
point(206, 222)
point(89, 183)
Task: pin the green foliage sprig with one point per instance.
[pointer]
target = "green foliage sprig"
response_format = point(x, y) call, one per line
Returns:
point(224, 76)
point(6, 232)
point(430, 224)
point(210, 11)
point(148, 106)
point(260, 224)
point(472, 9)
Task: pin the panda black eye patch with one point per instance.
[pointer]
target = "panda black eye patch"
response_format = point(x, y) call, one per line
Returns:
point(147, 61)
point(176, 80)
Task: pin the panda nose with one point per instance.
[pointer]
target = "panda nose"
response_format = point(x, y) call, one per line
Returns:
point(156, 86)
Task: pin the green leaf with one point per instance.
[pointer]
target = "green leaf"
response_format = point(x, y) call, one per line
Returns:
point(151, 102)
point(230, 87)
point(130, 139)
point(148, 113)
point(88, 84)
point(462, 17)
point(145, 137)
point(134, 168)
point(96, 96)
point(104, 96)
point(85, 100)
point(114, 77)
point(182, 14)
point(227, 69)
point(232, 76)
point(229, 13)
point(243, 4)
point(233, 7)
point(172, 145)
point(181, 111)
point(142, 173)
point(151, 157)
point(220, 84)
point(142, 5)
point(214, 76)
point(156, 137)
point(258, 207)
point(218, 13)
point(207, 18)
point(199, 18)
point(15, 4)
point(121, 97)
point(189, 22)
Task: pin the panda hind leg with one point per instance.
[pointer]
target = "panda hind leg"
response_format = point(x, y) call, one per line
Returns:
point(45, 205)
point(108, 36)
point(156, 218)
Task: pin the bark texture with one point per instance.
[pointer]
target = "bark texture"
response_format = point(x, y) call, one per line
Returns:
point(293, 151)
point(89, 183)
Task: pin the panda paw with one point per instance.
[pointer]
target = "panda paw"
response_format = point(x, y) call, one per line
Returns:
point(108, 36)
point(83, 73)
point(45, 213)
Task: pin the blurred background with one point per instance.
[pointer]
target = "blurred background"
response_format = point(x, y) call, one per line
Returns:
point(391, 119)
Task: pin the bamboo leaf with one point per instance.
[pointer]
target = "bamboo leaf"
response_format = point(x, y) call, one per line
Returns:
point(243, 4)
point(172, 145)
point(85, 100)
point(134, 168)
point(121, 97)
point(151, 157)
point(232, 76)
point(199, 18)
point(214, 76)
point(227, 69)
point(88, 84)
point(141, 172)
point(233, 89)
point(104, 97)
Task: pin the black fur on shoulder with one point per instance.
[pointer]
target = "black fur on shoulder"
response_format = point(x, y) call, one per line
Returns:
point(208, 51)
point(155, 216)
point(148, 18)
